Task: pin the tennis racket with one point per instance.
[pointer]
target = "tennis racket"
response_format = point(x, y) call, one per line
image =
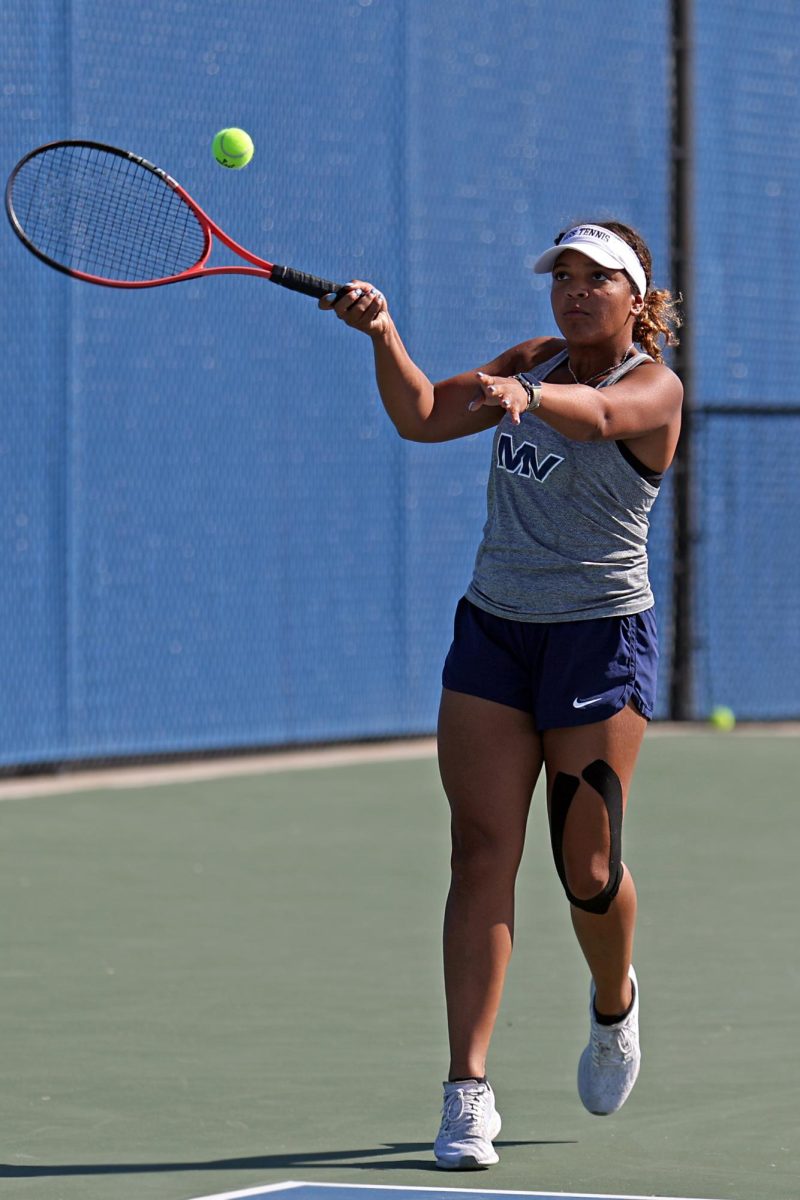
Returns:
point(110, 217)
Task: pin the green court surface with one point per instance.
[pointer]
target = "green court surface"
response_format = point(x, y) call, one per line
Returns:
point(207, 986)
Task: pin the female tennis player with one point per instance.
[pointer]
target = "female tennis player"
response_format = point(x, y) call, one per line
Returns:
point(554, 656)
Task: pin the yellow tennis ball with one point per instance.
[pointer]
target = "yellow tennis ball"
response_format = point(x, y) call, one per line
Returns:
point(722, 718)
point(233, 148)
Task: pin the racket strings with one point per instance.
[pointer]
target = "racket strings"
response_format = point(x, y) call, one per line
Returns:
point(139, 218)
point(106, 215)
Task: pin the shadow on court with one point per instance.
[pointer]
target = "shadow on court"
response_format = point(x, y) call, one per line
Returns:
point(263, 1162)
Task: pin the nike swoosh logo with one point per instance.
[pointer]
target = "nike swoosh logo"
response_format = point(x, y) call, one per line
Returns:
point(576, 703)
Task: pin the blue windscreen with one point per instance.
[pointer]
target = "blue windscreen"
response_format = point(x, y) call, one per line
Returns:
point(747, 162)
point(213, 536)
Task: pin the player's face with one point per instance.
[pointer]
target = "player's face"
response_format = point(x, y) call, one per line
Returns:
point(591, 304)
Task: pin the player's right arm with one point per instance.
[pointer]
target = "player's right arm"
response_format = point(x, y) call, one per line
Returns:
point(420, 410)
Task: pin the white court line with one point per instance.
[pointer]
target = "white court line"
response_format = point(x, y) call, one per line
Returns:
point(308, 759)
point(268, 1187)
point(390, 1187)
point(394, 1187)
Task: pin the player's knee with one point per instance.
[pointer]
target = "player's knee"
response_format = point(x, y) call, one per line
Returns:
point(590, 880)
point(480, 855)
point(587, 877)
point(599, 896)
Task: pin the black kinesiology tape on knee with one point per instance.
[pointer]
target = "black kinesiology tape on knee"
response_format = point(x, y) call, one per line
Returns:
point(605, 782)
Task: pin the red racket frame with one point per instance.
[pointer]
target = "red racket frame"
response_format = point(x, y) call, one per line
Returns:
point(288, 277)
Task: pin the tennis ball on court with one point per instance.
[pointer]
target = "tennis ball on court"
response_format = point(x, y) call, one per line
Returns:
point(233, 148)
point(722, 718)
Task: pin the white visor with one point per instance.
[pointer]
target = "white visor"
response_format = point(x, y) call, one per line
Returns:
point(601, 246)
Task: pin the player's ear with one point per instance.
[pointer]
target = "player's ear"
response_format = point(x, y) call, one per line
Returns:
point(637, 304)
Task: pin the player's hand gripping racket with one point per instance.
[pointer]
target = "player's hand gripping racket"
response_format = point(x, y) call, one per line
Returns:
point(110, 217)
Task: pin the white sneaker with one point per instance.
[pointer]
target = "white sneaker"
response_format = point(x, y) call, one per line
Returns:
point(610, 1063)
point(470, 1123)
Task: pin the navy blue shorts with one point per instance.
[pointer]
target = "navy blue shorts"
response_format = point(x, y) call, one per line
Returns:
point(564, 673)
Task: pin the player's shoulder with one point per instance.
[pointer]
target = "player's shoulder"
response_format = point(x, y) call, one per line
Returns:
point(659, 373)
point(526, 355)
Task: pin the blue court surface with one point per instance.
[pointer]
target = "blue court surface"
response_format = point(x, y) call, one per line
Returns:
point(355, 1191)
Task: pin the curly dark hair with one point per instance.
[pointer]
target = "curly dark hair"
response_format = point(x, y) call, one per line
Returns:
point(660, 317)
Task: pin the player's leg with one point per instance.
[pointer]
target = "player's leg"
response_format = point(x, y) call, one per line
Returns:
point(490, 757)
point(589, 773)
point(607, 945)
point(587, 854)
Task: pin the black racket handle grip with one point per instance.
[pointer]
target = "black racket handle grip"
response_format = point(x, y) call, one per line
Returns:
point(309, 285)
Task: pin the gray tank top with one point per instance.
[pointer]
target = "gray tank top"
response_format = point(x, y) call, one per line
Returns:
point(566, 532)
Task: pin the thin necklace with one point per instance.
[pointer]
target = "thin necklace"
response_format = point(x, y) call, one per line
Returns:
point(605, 371)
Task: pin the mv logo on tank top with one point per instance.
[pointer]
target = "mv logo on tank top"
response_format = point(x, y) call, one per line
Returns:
point(524, 460)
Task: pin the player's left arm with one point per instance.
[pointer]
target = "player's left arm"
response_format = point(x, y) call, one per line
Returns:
point(644, 401)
